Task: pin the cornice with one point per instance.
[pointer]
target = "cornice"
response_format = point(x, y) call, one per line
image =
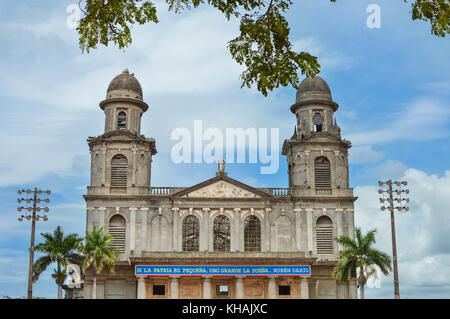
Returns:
point(298, 105)
point(141, 104)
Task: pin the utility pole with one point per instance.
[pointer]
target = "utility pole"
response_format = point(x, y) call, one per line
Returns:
point(391, 208)
point(33, 217)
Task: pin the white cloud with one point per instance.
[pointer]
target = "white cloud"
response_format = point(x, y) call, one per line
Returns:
point(364, 154)
point(389, 169)
point(183, 54)
point(422, 233)
point(183, 59)
point(329, 59)
point(437, 88)
point(50, 26)
point(68, 215)
point(423, 119)
point(14, 266)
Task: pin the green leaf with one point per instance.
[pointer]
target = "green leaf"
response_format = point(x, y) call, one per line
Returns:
point(358, 253)
point(263, 46)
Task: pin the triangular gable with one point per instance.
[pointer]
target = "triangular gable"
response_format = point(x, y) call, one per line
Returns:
point(221, 186)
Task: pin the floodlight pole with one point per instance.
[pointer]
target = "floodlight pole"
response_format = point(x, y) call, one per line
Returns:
point(394, 244)
point(34, 217)
point(391, 208)
point(33, 227)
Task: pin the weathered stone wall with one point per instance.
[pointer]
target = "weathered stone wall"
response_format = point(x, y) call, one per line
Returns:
point(282, 228)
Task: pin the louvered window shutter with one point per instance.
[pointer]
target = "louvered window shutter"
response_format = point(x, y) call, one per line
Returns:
point(122, 121)
point(322, 172)
point(117, 229)
point(119, 171)
point(324, 232)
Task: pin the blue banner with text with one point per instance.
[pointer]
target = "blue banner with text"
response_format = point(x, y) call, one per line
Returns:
point(201, 270)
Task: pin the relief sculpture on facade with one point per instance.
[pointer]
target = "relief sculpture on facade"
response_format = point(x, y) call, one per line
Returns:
point(222, 189)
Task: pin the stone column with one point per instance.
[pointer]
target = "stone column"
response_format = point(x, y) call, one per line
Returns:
point(334, 180)
point(101, 218)
point(352, 290)
point(144, 226)
point(272, 288)
point(304, 288)
point(91, 213)
point(269, 238)
point(132, 229)
point(339, 212)
point(100, 289)
point(309, 229)
point(205, 237)
point(176, 214)
point(133, 175)
point(309, 176)
point(240, 287)
point(298, 232)
point(141, 288)
point(351, 222)
point(174, 287)
point(206, 287)
point(235, 238)
point(94, 288)
point(104, 165)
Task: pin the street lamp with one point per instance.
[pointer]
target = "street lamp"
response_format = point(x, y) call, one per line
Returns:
point(391, 208)
point(33, 217)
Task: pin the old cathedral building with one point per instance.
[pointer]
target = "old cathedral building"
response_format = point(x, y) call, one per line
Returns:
point(220, 238)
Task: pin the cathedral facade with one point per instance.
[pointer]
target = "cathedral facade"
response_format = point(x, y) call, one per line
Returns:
point(220, 238)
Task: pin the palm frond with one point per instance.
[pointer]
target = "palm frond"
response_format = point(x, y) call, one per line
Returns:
point(359, 254)
point(40, 266)
point(346, 242)
point(58, 249)
point(98, 252)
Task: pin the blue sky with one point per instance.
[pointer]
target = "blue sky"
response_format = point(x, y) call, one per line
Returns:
point(391, 84)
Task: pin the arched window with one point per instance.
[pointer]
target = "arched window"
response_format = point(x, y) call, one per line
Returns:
point(318, 122)
point(119, 170)
point(322, 172)
point(252, 234)
point(191, 233)
point(221, 233)
point(324, 233)
point(122, 121)
point(117, 229)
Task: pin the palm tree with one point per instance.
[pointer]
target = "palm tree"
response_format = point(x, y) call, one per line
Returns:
point(360, 255)
point(59, 249)
point(98, 253)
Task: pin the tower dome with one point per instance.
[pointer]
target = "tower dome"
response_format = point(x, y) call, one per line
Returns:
point(124, 85)
point(313, 89)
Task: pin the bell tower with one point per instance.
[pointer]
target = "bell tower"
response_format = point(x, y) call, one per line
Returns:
point(317, 156)
point(121, 157)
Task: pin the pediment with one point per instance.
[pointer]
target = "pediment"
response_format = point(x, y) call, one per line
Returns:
point(221, 187)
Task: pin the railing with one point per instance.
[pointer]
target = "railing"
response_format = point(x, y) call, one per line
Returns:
point(280, 191)
point(160, 190)
point(303, 191)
